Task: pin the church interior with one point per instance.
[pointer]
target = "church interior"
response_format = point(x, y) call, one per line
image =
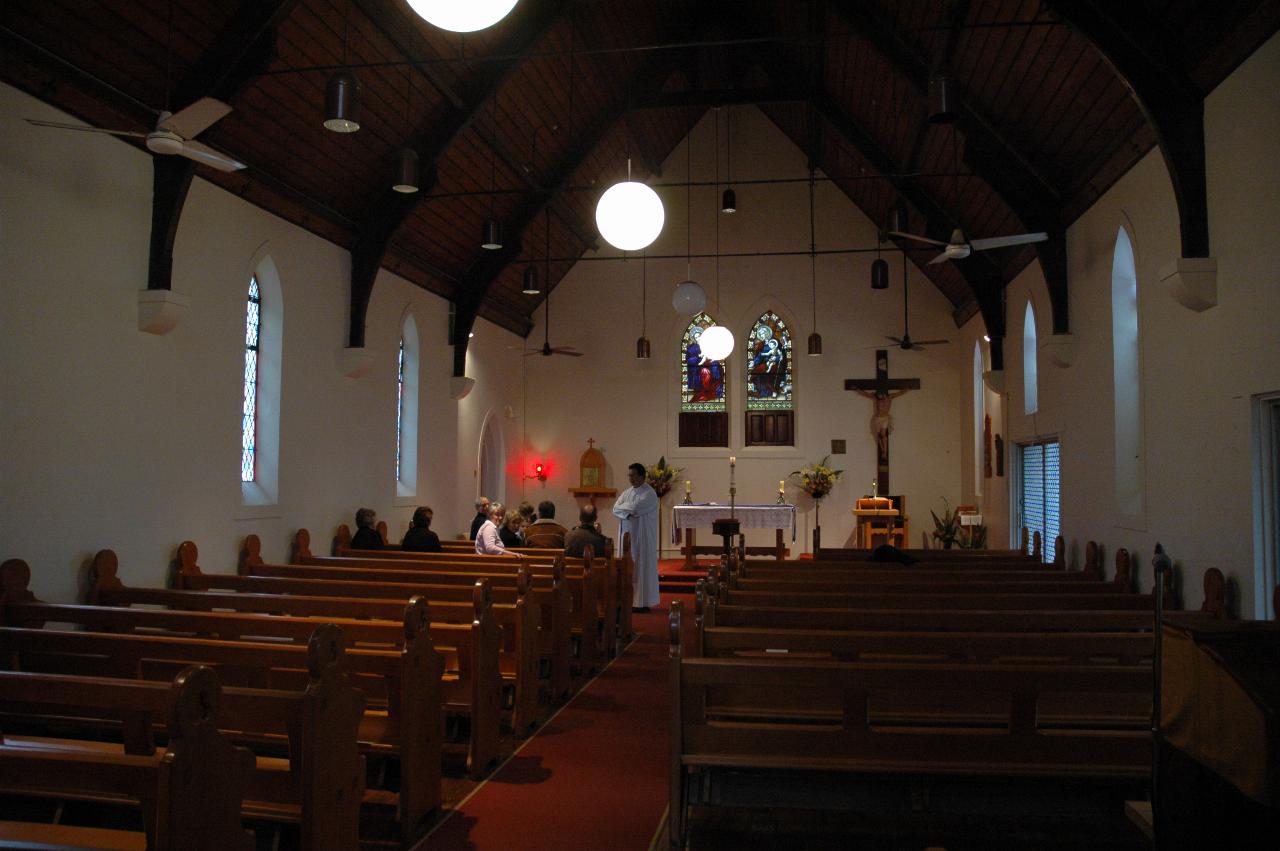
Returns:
point(1012, 255)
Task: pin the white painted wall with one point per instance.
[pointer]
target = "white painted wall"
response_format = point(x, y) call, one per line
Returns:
point(631, 406)
point(119, 439)
point(1198, 370)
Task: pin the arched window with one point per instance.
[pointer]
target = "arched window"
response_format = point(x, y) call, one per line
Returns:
point(979, 421)
point(767, 358)
point(1125, 359)
point(407, 410)
point(249, 409)
point(492, 461)
point(704, 416)
point(260, 409)
point(1030, 380)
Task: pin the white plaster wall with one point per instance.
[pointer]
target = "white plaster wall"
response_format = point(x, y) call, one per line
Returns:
point(1199, 370)
point(630, 406)
point(119, 439)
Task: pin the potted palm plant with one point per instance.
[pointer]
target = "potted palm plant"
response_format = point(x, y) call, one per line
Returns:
point(946, 529)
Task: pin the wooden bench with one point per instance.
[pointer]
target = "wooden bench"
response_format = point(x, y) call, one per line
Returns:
point(404, 718)
point(320, 785)
point(745, 714)
point(190, 794)
point(519, 623)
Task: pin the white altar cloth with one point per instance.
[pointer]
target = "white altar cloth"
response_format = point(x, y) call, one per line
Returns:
point(701, 516)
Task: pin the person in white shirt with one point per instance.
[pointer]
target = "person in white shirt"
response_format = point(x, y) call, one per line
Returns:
point(488, 541)
point(637, 511)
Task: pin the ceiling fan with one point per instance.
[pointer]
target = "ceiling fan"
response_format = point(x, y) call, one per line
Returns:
point(174, 133)
point(958, 248)
point(547, 349)
point(905, 342)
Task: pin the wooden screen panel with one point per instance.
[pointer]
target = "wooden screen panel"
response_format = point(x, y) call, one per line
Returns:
point(770, 428)
point(704, 428)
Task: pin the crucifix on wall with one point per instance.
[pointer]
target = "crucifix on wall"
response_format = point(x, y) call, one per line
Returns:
point(882, 390)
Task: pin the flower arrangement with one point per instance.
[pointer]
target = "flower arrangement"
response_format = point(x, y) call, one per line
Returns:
point(946, 529)
point(817, 480)
point(660, 475)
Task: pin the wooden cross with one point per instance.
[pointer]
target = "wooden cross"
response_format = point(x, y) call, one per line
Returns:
point(882, 390)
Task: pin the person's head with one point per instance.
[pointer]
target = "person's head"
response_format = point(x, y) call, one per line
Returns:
point(546, 510)
point(497, 511)
point(365, 518)
point(514, 521)
point(587, 516)
point(635, 474)
point(422, 517)
point(526, 510)
point(482, 505)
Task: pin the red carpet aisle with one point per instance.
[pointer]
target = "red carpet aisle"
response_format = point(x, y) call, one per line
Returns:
point(594, 777)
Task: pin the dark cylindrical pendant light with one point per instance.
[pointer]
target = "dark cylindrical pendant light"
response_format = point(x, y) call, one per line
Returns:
point(492, 238)
point(729, 201)
point(642, 348)
point(406, 171)
point(879, 274)
point(531, 280)
point(815, 344)
point(342, 103)
point(943, 107)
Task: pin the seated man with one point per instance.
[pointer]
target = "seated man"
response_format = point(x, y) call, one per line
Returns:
point(545, 531)
point(420, 538)
point(587, 532)
point(488, 541)
point(366, 537)
point(482, 514)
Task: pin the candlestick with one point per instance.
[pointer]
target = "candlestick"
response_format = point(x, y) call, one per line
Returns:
point(874, 491)
point(688, 486)
point(782, 492)
point(781, 485)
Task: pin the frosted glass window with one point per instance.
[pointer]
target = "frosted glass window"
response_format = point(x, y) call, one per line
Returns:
point(407, 410)
point(399, 407)
point(1030, 379)
point(1038, 498)
point(249, 408)
point(1126, 364)
point(979, 411)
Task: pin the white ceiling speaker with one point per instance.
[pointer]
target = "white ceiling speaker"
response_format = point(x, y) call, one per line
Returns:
point(462, 17)
point(630, 215)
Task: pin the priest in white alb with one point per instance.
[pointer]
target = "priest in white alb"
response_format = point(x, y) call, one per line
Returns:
point(637, 511)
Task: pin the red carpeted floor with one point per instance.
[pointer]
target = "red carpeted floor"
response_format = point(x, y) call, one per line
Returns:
point(594, 776)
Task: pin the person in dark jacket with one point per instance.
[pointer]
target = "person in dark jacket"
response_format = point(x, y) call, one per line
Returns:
point(586, 532)
point(545, 531)
point(366, 537)
point(509, 531)
point(420, 538)
point(482, 514)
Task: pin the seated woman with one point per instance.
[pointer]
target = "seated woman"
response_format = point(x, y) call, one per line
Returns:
point(420, 538)
point(366, 537)
point(488, 541)
point(509, 532)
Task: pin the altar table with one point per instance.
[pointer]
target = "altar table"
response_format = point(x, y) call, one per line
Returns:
point(701, 516)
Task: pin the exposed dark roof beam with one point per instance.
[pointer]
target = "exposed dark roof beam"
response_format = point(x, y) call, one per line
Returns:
point(490, 267)
point(528, 23)
point(1131, 42)
point(719, 97)
point(241, 51)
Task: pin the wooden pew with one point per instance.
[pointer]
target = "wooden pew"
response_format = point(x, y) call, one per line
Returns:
point(321, 784)
point(743, 714)
point(433, 578)
point(190, 794)
point(953, 598)
point(519, 623)
point(613, 598)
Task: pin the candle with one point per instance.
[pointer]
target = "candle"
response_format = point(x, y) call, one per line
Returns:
point(781, 486)
point(688, 486)
point(732, 460)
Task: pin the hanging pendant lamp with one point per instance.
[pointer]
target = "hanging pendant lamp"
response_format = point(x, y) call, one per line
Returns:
point(406, 180)
point(491, 237)
point(531, 280)
point(462, 16)
point(716, 340)
point(815, 339)
point(642, 344)
point(729, 198)
point(879, 270)
point(629, 214)
point(342, 103)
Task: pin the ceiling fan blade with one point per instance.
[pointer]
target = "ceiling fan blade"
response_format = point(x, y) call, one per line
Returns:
point(941, 258)
point(917, 237)
point(195, 119)
point(1002, 241)
point(896, 340)
point(930, 342)
point(85, 128)
point(566, 350)
point(202, 153)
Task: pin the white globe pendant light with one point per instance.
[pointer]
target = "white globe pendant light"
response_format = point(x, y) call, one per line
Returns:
point(462, 16)
point(716, 342)
point(630, 215)
point(688, 298)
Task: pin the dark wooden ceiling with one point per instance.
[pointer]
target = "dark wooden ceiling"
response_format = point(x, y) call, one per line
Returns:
point(548, 105)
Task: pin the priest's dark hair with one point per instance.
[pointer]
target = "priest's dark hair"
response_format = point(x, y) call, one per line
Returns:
point(638, 469)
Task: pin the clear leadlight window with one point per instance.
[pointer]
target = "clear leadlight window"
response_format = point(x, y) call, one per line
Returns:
point(701, 379)
point(768, 362)
point(399, 409)
point(249, 412)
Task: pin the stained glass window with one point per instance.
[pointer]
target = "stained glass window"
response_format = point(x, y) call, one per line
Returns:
point(701, 379)
point(768, 363)
point(399, 408)
point(249, 411)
